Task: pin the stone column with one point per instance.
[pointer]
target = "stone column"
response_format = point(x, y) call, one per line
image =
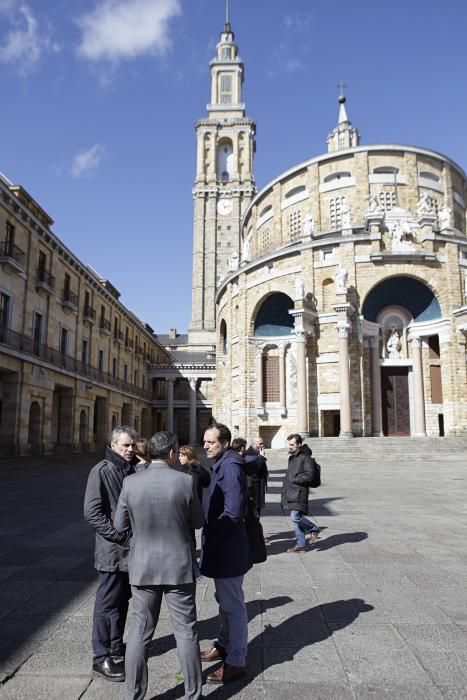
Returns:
point(192, 429)
point(376, 397)
point(282, 398)
point(236, 162)
point(343, 329)
point(259, 379)
point(200, 156)
point(418, 396)
point(302, 394)
point(170, 404)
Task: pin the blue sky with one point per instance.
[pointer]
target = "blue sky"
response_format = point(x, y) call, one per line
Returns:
point(99, 100)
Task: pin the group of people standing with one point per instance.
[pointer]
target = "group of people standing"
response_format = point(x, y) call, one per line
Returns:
point(145, 500)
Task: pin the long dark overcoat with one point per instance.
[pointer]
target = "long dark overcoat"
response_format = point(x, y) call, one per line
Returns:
point(297, 480)
point(225, 551)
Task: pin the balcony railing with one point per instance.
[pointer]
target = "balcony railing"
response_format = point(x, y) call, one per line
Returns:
point(129, 344)
point(45, 279)
point(12, 252)
point(29, 346)
point(118, 336)
point(105, 326)
point(89, 314)
point(70, 299)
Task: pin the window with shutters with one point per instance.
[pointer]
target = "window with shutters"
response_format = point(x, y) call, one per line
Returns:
point(270, 378)
point(295, 224)
point(225, 89)
point(335, 211)
point(387, 200)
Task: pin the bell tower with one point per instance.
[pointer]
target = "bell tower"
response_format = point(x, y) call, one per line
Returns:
point(224, 184)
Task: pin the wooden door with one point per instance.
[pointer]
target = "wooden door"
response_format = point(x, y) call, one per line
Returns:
point(395, 395)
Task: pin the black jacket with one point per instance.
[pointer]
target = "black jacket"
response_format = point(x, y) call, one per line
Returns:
point(202, 479)
point(257, 477)
point(297, 480)
point(105, 482)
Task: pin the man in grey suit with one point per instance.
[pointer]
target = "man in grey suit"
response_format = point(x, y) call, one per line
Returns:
point(160, 505)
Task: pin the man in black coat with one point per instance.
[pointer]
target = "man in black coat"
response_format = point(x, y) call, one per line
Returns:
point(113, 593)
point(225, 553)
point(295, 490)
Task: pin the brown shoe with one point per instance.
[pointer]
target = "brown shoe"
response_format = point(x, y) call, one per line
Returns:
point(216, 653)
point(296, 549)
point(314, 536)
point(226, 674)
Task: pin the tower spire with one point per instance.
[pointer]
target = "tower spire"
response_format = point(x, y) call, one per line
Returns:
point(344, 135)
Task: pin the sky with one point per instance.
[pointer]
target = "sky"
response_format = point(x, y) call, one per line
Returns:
point(99, 99)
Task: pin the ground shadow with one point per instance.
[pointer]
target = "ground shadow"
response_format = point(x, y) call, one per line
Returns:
point(207, 629)
point(280, 542)
point(284, 641)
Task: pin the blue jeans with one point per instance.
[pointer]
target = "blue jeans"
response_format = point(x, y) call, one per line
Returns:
point(233, 634)
point(301, 526)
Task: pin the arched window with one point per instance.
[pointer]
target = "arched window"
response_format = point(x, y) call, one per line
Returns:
point(265, 210)
point(294, 191)
point(337, 176)
point(429, 176)
point(223, 337)
point(273, 316)
point(327, 294)
point(225, 161)
point(385, 170)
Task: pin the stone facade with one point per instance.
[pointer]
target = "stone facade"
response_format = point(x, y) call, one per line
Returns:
point(74, 361)
point(367, 249)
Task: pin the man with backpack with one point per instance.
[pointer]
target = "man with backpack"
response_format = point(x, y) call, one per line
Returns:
point(301, 475)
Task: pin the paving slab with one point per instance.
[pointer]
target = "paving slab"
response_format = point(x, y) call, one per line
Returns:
point(375, 609)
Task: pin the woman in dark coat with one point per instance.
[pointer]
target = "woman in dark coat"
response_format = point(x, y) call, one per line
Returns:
point(189, 460)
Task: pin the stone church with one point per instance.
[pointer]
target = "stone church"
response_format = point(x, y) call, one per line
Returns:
point(333, 301)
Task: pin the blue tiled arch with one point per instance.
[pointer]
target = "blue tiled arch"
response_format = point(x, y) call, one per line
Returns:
point(402, 291)
point(273, 316)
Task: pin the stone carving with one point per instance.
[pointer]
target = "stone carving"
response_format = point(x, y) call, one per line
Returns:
point(246, 248)
point(346, 215)
point(291, 389)
point(402, 234)
point(308, 226)
point(394, 345)
point(445, 217)
point(374, 207)
point(233, 262)
point(299, 288)
point(342, 276)
point(425, 205)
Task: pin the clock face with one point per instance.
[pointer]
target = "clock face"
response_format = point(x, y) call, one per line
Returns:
point(224, 206)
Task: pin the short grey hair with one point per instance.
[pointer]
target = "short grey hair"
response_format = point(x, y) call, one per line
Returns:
point(161, 444)
point(122, 430)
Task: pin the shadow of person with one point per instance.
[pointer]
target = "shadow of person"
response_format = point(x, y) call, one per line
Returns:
point(280, 542)
point(280, 643)
point(336, 540)
point(207, 629)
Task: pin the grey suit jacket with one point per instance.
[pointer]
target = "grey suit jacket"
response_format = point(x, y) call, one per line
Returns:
point(160, 505)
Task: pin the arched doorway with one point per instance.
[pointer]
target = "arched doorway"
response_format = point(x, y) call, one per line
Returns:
point(83, 429)
point(34, 429)
point(397, 304)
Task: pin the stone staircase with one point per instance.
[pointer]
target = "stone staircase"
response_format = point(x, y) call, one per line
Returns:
point(375, 449)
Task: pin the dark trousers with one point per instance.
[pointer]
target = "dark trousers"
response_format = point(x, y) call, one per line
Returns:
point(110, 611)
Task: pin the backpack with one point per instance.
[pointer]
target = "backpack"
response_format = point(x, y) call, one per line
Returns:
point(316, 480)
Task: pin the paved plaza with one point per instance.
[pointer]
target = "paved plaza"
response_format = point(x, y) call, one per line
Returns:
point(376, 609)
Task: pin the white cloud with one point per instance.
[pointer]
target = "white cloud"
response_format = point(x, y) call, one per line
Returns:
point(124, 29)
point(25, 43)
point(87, 161)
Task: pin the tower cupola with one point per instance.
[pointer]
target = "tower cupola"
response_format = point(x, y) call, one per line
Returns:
point(344, 135)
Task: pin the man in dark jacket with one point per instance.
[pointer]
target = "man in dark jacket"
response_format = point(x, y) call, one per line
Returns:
point(295, 490)
point(225, 553)
point(113, 593)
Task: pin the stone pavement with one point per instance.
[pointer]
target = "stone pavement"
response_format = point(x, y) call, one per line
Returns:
point(377, 609)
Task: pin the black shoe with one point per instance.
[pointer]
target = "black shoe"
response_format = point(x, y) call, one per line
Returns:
point(109, 670)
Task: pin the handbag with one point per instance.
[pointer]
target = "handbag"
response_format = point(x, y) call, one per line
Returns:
point(254, 531)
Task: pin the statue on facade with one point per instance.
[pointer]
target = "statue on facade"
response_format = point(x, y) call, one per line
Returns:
point(342, 276)
point(374, 206)
point(346, 214)
point(308, 226)
point(299, 288)
point(445, 217)
point(246, 248)
point(233, 262)
point(401, 232)
point(394, 345)
point(425, 205)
